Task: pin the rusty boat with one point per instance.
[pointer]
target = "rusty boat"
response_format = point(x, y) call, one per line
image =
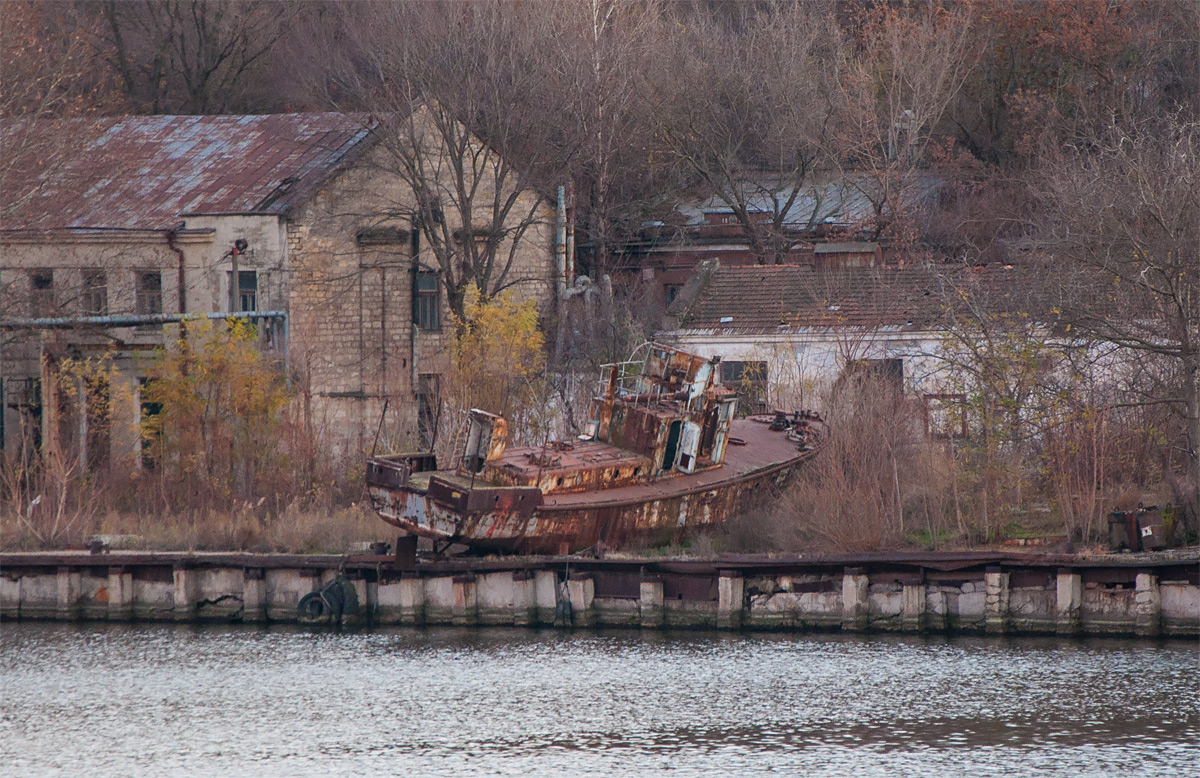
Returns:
point(663, 453)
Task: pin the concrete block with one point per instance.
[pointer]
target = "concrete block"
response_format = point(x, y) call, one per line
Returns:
point(731, 601)
point(913, 607)
point(546, 588)
point(855, 603)
point(412, 600)
point(650, 602)
point(995, 603)
point(254, 595)
point(363, 616)
point(10, 597)
point(524, 599)
point(1147, 606)
point(496, 595)
point(68, 593)
point(466, 600)
point(581, 591)
point(185, 592)
point(1069, 602)
point(120, 594)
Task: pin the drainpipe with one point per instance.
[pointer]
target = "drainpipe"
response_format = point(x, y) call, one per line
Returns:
point(570, 216)
point(171, 236)
point(560, 241)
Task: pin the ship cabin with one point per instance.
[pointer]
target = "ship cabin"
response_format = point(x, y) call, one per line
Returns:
point(659, 415)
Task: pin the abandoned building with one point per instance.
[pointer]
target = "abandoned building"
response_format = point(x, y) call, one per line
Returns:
point(289, 220)
point(828, 223)
point(788, 333)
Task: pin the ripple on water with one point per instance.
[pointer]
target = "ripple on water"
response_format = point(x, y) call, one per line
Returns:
point(167, 700)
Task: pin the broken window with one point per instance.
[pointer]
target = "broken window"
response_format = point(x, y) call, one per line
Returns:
point(42, 301)
point(428, 302)
point(889, 372)
point(98, 421)
point(93, 293)
point(149, 293)
point(749, 380)
point(946, 415)
point(429, 403)
point(149, 440)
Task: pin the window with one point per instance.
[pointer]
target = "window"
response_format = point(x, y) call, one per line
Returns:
point(247, 297)
point(749, 380)
point(149, 292)
point(672, 292)
point(93, 294)
point(42, 301)
point(150, 426)
point(429, 403)
point(946, 415)
point(889, 372)
point(428, 303)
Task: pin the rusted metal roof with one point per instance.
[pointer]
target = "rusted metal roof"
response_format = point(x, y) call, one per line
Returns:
point(149, 172)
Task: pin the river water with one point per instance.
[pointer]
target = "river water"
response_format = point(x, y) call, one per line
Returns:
point(142, 700)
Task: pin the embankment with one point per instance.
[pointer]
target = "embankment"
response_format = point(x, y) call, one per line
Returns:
point(955, 592)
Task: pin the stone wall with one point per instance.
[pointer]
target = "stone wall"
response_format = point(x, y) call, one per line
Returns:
point(257, 588)
point(354, 339)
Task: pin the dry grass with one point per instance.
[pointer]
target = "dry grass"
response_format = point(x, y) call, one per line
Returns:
point(332, 531)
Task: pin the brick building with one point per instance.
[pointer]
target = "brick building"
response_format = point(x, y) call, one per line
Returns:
point(292, 214)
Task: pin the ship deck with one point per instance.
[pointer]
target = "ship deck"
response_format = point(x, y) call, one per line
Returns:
point(764, 450)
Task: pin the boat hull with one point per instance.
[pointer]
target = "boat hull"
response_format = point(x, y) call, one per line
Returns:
point(656, 512)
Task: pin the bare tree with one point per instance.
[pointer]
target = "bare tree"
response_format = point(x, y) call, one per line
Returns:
point(449, 92)
point(190, 56)
point(747, 110)
point(1121, 217)
point(908, 65)
point(596, 99)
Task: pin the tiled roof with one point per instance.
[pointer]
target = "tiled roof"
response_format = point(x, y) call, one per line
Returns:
point(756, 299)
point(146, 172)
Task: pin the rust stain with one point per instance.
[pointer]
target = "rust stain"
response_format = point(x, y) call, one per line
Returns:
point(146, 172)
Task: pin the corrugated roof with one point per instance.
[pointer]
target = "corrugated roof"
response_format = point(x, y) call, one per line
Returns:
point(836, 201)
point(146, 172)
point(756, 299)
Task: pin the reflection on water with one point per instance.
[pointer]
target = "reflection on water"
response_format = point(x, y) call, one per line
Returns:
point(164, 700)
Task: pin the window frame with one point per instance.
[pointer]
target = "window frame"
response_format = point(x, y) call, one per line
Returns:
point(752, 389)
point(93, 296)
point(142, 297)
point(427, 303)
point(42, 298)
point(243, 289)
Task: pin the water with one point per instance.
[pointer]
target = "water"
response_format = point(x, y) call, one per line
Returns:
point(133, 700)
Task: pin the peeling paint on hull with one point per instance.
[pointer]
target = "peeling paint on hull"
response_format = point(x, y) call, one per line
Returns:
point(661, 510)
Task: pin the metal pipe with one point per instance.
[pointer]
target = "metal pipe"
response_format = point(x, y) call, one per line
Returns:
point(132, 320)
point(560, 241)
point(570, 249)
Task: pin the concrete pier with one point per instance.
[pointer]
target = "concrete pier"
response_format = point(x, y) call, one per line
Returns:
point(991, 593)
point(996, 600)
point(856, 608)
point(1069, 602)
point(650, 602)
point(914, 604)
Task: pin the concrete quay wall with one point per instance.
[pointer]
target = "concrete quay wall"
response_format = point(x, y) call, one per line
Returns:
point(914, 593)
